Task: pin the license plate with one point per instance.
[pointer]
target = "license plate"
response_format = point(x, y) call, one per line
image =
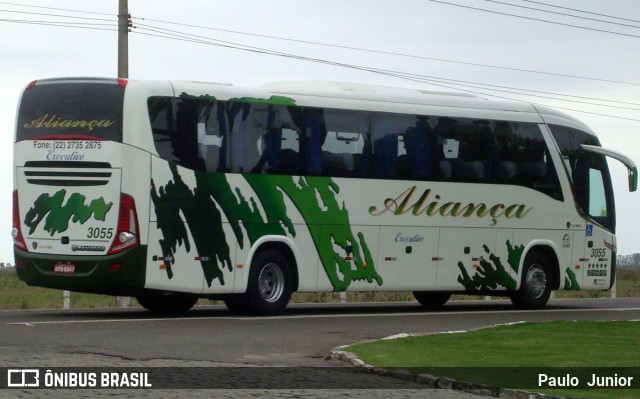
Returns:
point(64, 268)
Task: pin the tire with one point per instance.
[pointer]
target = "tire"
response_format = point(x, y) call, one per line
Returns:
point(270, 283)
point(535, 284)
point(167, 303)
point(237, 304)
point(431, 300)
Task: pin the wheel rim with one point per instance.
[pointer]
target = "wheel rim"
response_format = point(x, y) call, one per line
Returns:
point(271, 282)
point(536, 281)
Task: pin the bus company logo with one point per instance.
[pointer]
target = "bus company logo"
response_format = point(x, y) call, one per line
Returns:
point(36, 246)
point(88, 248)
point(434, 206)
point(22, 378)
point(55, 121)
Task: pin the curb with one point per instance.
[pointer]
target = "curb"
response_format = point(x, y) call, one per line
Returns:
point(438, 382)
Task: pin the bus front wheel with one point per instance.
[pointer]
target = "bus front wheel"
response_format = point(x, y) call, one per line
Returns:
point(535, 285)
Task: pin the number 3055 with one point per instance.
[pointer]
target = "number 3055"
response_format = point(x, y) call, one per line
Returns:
point(100, 232)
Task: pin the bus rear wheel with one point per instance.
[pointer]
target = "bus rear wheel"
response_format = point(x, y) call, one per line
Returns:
point(535, 285)
point(431, 300)
point(269, 287)
point(167, 303)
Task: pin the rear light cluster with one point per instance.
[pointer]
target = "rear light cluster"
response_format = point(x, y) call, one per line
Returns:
point(127, 232)
point(16, 231)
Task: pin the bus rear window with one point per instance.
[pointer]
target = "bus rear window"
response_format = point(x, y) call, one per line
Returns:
point(91, 109)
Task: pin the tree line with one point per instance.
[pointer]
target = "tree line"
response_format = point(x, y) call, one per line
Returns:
point(628, 260)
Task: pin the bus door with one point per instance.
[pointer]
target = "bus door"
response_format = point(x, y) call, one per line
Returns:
point(594, 196)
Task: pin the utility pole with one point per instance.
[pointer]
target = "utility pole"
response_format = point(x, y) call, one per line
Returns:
point(124, 23)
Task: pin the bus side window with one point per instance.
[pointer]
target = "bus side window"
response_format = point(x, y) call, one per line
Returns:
point(343, 142)
point(174, 123)
point(212, 136)
point(290, 152)
point(417, 140)
point(487, 139)
point(162, 123)
point(185, 140)
point(247, 125)
point(264, 139)
point(524, 159)
point(401, 146)
point(315, 132)
point(448, 148)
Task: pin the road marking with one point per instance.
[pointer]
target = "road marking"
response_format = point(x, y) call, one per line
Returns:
point(318, 316)
point(423, 313)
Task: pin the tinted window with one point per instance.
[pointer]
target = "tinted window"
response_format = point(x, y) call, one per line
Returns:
point(524, 159)
point(247, 137)
point(64, 109)
point(402, 146)
point(219, 136)
point(589, 174)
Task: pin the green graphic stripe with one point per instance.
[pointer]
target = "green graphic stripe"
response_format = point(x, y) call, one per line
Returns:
point(328, 222)
point(201, 216)
point(492, 274)
point(570, 280)
point(273, 100)
point(57, 215)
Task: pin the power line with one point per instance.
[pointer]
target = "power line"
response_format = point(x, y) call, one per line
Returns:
point(561, 13)
point(57, 9)
point(535, 19)
point(383, 52)
point(55, 15)
point(442, 82)
point(63, 24)
point(459, 85)
point(513, 69)
point(582, 11)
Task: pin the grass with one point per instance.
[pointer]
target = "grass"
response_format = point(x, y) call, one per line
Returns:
point(494, 355)
point(15, 294)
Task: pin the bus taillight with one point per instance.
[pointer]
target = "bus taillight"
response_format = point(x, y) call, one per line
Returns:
point(127, 233)
point(16, 231)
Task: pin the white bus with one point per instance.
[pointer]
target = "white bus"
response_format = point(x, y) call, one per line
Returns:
point(171, 191)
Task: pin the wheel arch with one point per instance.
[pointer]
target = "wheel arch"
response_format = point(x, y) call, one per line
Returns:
point(550, 251)
point(283, 244)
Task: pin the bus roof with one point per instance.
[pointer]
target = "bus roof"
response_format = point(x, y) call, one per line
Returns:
point(322, 93)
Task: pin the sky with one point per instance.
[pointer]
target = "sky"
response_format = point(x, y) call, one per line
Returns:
point(495, 49)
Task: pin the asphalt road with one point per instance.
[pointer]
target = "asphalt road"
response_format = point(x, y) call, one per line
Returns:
point(210, 336)
point(303, 336)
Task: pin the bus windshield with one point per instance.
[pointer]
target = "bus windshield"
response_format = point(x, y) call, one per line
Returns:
point(588, 173)
point(87, 108)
